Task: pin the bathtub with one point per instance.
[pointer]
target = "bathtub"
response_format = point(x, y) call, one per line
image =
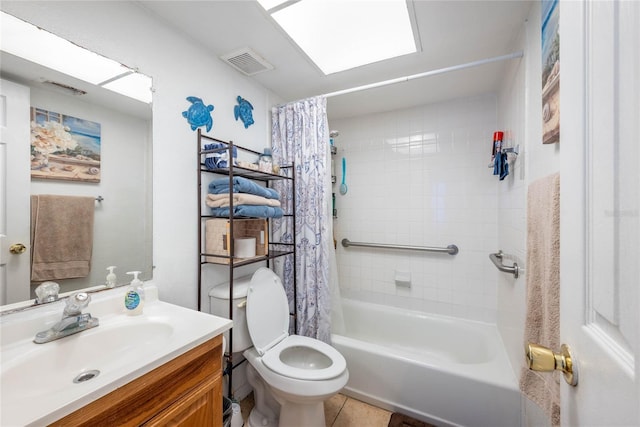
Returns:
point(442, 370)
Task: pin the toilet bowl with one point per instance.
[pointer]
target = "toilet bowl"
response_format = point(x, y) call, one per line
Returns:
point(297, 372)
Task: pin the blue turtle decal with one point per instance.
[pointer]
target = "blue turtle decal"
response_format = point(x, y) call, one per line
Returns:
point(198, 114)
point(243, 111)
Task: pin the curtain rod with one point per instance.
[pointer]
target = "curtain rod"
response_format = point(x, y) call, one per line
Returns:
point(425, 74)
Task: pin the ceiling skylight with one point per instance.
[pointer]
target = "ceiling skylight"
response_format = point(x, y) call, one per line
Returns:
point(29, 42)
point(338, 35)
point(134, 85)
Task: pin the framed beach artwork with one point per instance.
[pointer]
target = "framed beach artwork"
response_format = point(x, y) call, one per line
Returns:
point(64, 147)
point(550, 72)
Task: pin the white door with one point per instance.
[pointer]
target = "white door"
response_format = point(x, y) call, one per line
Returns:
point(600, 192)
point(14, 204)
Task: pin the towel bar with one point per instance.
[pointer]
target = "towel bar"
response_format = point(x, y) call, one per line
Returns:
point(497, 261)
point(451, 249)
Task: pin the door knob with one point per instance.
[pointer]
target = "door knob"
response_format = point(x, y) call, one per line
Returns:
point(17, 248)
point(544, 359)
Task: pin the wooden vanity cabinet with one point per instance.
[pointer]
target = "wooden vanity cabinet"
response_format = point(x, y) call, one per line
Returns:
point(186, 391)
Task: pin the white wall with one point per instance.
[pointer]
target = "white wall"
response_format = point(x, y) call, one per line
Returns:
point(180, 68)
point(122, 223)
point(420, 177)
point(520, 114)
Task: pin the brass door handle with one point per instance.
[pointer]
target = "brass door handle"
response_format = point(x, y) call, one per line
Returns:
point(17, 248)
point(543, 359)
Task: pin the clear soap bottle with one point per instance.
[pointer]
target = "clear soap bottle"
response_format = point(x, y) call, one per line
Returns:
point(265, 162)
point(111, 277)
point(134, 297)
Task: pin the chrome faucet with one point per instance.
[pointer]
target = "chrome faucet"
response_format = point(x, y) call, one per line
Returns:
point(72, 322)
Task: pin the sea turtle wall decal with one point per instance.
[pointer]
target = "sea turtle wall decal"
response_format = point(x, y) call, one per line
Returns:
point(198, 113)
point(243, 111)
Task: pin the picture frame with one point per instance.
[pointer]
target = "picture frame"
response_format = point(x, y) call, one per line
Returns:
point(550, 72)
point(64, 147)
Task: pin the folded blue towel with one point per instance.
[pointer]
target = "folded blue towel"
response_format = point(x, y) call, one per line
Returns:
point(220, 159)
point(250, 211)
point(242, 185)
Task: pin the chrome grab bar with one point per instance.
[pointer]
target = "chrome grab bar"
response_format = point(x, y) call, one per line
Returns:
point(497, 261)
point(451, 249)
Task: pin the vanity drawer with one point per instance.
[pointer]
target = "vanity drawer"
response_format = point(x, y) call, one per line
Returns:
point(189, 385)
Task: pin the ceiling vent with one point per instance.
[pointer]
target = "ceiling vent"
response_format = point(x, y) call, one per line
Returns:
point(247, 61)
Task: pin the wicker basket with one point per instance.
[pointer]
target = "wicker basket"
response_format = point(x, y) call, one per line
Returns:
point(218, 241)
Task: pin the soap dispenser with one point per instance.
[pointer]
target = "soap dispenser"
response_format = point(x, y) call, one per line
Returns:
point(111, 277)
point(134, 297)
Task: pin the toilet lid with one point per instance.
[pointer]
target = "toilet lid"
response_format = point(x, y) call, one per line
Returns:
point(267, 310)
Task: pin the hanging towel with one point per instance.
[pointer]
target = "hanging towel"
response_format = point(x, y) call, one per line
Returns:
point(542, 324)
point(61, 236)
point(497, 164)
point(504, 162)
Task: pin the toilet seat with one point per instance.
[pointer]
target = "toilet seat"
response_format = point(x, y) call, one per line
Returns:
point(320, 360)
point(293, 356)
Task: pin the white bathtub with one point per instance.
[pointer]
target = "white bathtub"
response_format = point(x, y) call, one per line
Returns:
point(441, 370)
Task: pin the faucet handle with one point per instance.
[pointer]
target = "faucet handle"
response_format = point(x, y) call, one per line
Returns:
point(76, 303)
point(47, 292)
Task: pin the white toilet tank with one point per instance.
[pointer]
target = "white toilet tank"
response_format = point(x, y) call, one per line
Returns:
point(219, 299)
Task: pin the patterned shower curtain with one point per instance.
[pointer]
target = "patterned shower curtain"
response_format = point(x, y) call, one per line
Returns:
point(300, 135)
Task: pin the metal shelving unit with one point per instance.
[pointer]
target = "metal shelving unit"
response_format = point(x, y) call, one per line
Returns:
point(276, 249)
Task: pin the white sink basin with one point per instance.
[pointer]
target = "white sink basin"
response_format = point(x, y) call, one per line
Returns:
point(51, 368)
point(37, 380)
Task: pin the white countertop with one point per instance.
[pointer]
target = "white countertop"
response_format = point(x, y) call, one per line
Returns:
point(36, 379)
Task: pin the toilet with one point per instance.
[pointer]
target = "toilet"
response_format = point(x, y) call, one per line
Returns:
point(291, 375)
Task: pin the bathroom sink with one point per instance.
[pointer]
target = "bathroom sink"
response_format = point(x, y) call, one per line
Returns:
point(37, 380)
point(44, 369)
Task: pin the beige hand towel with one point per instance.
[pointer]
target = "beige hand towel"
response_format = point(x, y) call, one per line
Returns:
point(542, 325)
point(61, 236)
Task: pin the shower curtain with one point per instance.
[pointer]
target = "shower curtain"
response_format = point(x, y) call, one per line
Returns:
point(300, 135)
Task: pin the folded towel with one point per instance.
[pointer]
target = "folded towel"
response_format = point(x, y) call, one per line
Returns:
point(222, 200)
point(542, 323)
point(220, 159)
point(61, 236)
point(242, 185)
point(249, 211)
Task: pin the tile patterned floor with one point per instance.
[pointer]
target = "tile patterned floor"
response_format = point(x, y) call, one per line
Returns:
point(341, 411)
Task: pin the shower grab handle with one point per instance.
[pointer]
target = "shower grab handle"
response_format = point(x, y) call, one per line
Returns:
point(451, 249)
point(497, 261)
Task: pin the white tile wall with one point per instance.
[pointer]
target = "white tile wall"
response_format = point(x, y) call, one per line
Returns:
point(513, 117)
point(520, 114)
point(420, 177)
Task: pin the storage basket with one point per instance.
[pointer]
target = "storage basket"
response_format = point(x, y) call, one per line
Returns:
point(218, 240)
